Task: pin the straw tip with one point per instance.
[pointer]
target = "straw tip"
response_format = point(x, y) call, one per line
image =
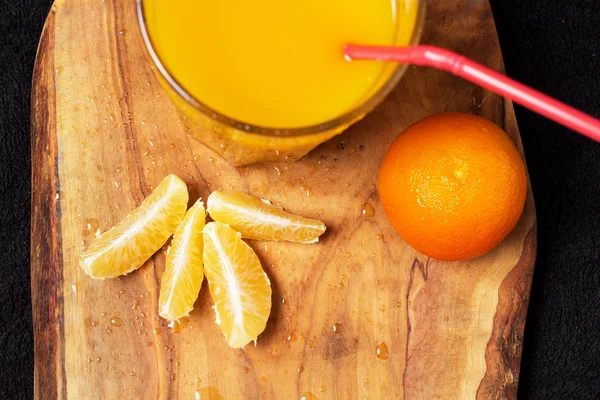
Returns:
point(348, 52)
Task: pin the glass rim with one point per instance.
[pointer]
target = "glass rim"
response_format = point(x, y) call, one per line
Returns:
point(344, 119)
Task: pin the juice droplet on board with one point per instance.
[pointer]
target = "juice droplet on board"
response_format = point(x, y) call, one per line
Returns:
point(308, 396)
point(382, 351)
point(208, 393)
point(292, 337)
point(116, 321)
point(177, 326)
point(91, 227)
point(368, 211)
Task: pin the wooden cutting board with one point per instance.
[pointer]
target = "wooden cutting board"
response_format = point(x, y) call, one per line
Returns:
point(358, 315)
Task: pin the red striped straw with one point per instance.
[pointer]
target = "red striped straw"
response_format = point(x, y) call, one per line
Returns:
point(458, 65)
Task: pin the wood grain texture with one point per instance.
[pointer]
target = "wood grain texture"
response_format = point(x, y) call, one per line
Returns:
point(104, 134)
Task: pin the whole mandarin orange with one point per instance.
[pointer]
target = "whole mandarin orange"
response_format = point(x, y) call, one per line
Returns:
point(453, 186)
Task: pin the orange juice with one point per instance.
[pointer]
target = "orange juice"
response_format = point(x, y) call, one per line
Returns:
point(276, 65)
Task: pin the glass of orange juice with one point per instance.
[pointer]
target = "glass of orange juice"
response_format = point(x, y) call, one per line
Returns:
point(266, 80)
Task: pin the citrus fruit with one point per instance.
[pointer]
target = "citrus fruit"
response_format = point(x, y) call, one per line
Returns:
point(182, 279)
point(131, 242)
point(453, 185)
point(258, 219)
point(238, 285)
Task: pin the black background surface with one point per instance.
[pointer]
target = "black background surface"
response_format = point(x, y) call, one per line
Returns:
point(553, 45)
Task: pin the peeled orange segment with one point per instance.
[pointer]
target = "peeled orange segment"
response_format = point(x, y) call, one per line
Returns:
point(182, 279)
point(131, 242)
point(238, 285)
point(259, 219)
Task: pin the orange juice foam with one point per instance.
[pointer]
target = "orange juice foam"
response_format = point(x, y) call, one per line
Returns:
point(276, 63)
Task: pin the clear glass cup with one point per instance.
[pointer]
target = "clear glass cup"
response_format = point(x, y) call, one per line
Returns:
point(241, 143)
